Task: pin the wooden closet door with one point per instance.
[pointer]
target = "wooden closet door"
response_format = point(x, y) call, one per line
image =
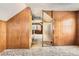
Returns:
point(64, 27)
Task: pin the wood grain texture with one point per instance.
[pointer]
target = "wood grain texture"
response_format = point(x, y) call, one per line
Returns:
point(2, 35)
point(65, 27)
point(19, 29)
point(77, 28)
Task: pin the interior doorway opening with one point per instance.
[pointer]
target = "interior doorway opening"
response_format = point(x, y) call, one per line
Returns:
point(37, 32)
point(42, 30)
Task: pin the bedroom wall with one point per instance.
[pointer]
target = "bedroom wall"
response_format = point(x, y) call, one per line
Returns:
point(65, 27)
point(77, 28)
point(2, 35)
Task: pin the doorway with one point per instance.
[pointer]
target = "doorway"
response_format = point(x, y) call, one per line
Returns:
point(42, 30)
point(37, 32)
point(48, 28)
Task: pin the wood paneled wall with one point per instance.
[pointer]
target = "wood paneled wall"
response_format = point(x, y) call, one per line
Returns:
point(65, 27)
point(2, 35)
point(16, 33)
point(19, 30)
point(77, 28)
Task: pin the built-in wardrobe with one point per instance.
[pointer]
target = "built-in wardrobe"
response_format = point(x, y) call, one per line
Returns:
point(60, 27)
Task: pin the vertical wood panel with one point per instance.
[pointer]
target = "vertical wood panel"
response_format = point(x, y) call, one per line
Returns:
point(25, 28)
point(2, 35)
point(77, 28)
point(19, 30)
point(65, 27)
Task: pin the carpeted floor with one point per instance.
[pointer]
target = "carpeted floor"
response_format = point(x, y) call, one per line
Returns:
point(43, 51)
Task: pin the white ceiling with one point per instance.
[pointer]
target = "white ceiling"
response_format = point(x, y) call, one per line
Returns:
point(55, 6)
point(8, 10)
point(38, 7)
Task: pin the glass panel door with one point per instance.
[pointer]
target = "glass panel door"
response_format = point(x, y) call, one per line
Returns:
point(47, 28)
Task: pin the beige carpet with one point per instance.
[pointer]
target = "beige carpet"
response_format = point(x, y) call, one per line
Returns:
point(43, 51)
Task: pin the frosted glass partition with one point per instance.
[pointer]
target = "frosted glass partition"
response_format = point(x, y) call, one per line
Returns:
point(47, 29)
